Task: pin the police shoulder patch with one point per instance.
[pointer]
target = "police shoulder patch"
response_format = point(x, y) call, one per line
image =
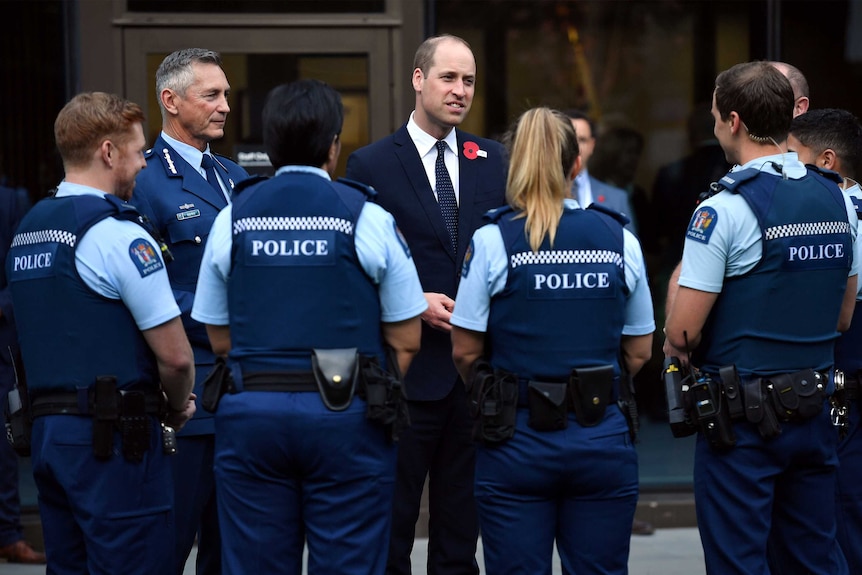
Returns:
point(144, 256)
point(468, 258)
point(702, 224)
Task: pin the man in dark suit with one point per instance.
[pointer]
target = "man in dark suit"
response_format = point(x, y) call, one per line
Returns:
point(414, 188)
point(13, 548)
point(182, 191)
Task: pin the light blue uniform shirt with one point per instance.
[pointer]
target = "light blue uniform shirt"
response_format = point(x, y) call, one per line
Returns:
point(107, 266)
point(489, 270)
point(382, 253)
point(734, 246)
point(855, 191)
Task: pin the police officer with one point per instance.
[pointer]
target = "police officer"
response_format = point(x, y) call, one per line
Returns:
point(560, 294)
point(296, 267)
point(762, 290)
point(181, 194)
point(832, 139)
point(99, 331)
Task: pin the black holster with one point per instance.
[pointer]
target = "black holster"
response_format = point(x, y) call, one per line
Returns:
point(336, 372)
point(759, 410)
point(592, 389)
point(106, 412)
point(134, 424)
point(384, 395)
point(218, 382)
point(711, 413)
point(19, 423)
point(493, 403)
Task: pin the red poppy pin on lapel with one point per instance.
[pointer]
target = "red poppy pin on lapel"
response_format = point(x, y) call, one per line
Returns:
point(472, 151)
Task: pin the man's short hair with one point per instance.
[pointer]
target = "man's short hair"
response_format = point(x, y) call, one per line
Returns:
point(761, 95)
point(831, 128)
point(301, 121)
point(90, 118)
point(575, 114)
point(424, 57)
point(175, 72)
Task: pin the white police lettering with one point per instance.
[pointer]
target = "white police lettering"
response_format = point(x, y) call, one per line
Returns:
point(816, 252)
point(289, 247)
point(589, 280)
point(32, 261)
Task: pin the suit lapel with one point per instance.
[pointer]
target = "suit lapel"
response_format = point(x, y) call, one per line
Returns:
point(468, 178)
point(406, 152)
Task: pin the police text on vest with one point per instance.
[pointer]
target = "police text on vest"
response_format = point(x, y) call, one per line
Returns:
point(588, 280)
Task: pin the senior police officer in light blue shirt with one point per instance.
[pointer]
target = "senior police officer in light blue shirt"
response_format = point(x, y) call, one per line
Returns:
point(299, 271)
point(101, 340)
point(556, 304)
point(767, 281)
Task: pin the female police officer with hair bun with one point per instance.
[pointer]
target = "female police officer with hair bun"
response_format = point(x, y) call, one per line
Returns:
point(299, 273)
point(552, 297)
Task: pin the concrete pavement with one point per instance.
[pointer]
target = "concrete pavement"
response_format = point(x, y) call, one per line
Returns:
point(667, 552)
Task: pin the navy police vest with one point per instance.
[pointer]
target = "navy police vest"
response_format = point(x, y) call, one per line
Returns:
point(563, 307)
point(848, 347)
point(296, 283)
point(69, 334)
point(782, 315)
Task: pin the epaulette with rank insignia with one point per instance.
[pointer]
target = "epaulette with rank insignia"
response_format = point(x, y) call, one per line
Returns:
point(619, 216)
point(369, 192)
point(247, 183)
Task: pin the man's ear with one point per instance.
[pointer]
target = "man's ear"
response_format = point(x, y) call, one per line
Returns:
point(417, 78)
point(168, 99)
point(828, 159)
point(735, 122)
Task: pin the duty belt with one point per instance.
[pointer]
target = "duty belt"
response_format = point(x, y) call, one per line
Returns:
point(279, 381)
point(81, 402)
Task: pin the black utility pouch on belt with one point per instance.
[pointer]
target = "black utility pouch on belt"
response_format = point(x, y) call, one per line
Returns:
point(106, 412)
point(135, 425)
point(591, 389)
point(336, 372)
point(759, 410)
point(798, 396)
point(547, 403)
point(494, 403)
point(217, 383)
point(386, 401)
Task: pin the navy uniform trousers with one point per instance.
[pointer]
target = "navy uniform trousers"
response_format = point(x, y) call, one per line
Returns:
point(779, 492)
point(289, 470)
point(578, 486)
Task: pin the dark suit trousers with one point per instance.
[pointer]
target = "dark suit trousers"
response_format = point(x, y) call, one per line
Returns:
point(437, 445)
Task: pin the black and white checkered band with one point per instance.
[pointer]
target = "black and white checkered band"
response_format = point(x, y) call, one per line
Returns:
point(281, 224)
point(45, 237)
point(807, 229)
point(567, 257)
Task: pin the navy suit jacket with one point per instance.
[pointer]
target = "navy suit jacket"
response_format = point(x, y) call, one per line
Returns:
point(182, 205)
point(392, 166)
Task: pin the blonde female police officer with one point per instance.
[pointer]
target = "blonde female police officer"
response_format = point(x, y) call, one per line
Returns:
point(552, 295)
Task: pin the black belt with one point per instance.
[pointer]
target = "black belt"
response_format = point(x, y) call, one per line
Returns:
point(279, 381)
point(81, 403)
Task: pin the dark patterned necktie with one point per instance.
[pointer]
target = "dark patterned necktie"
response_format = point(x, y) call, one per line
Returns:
point(446, 195)
point(209, 167)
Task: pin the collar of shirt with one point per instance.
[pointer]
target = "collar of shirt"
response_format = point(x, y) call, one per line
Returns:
point(789, 160)
point(426, 146)
point(583, 188)
point(70, 189)
point(189, 153)
point(303, 170)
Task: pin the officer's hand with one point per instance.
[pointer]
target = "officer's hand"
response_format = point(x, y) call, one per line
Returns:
point(671, 351)
point(177, 419)
point(439, 311)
